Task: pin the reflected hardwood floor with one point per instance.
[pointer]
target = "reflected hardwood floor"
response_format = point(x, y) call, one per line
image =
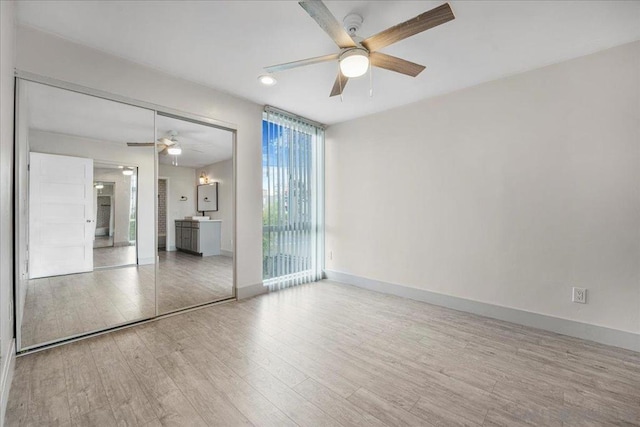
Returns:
point(62, 306)
point(102, 241)
point(114, 256)
point(328, 354)
point(185, 280)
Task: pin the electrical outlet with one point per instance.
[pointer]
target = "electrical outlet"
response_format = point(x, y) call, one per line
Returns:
point(579, 295)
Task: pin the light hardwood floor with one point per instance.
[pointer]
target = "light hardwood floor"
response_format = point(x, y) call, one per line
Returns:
point(62, 306)
point(328, 354)
point(114, 256)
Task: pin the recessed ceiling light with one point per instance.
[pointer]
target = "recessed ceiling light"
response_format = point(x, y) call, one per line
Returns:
point(267, 80)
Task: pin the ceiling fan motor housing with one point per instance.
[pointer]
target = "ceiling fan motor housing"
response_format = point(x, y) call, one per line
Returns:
point(352, 23)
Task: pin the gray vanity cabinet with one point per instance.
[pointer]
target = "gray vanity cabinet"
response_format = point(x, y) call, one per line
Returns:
point(198, 237)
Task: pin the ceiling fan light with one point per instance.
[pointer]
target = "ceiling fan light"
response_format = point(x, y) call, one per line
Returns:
point(174, 150)
point(354, 62)
point(267, 80)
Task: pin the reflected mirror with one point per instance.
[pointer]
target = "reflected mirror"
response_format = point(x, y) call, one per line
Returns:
point(115, 210)
point(85, 214)
point(195, 238)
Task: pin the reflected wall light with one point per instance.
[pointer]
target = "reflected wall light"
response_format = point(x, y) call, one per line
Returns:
point(204, 179)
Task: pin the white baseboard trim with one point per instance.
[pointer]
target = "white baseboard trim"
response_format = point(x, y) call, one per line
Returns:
point(226, 253)
point(251, 291)
point(599, 334)
point(5, 381)
point(146, 261)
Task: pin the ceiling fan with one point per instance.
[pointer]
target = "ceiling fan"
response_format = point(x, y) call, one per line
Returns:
point(357, 54)
point(166, 145)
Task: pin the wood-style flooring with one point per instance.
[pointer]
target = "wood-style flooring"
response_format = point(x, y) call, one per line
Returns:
point(327, 354)
point(102, 241)
point(113, 256)
point(63, 306)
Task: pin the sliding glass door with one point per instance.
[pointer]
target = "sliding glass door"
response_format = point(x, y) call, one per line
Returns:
point(292, 242)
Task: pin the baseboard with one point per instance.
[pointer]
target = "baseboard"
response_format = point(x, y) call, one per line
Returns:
point(5, 381)
point(599, 334)
point(251, 291)
point(146, 261)
point(226, 253)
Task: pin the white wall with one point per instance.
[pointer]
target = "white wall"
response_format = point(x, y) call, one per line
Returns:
point(7, 55)
point(181, 183)
point(50, 56)
point(509, 193)
point(55, 143)
point(222, 172)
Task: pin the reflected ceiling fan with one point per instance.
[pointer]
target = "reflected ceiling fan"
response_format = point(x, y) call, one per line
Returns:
point(357, 54)
point(166, 145)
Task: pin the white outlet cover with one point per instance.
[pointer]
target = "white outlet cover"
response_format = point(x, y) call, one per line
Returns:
point(579, 295)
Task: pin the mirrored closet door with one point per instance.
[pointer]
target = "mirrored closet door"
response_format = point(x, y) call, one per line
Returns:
point(85, 214)
point(196, 213)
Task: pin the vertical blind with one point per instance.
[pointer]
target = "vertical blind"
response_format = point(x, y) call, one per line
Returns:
point(292, 165)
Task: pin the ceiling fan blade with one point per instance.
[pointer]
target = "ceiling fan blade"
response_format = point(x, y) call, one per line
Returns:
point(166, 141)
point(303, 62)
point(420, 23)
point(164, 151)
point(141, 144)
point(340, 83)
point(398, 65)
point(319, 12)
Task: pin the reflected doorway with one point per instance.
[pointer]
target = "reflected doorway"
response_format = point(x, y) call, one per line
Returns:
point(115, 211)
point(163, 209)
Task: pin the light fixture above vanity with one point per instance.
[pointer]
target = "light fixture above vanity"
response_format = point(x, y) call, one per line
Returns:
point(204, 179)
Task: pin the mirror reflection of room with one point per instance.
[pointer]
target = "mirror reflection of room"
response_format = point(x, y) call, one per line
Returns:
point(195, 242)
point(114, 189)
point(85, 230)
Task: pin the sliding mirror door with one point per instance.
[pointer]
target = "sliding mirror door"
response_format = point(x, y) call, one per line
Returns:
point(85, 214)
point(195, 214)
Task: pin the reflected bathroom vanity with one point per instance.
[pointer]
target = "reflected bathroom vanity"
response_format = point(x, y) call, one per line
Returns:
point(199, 236)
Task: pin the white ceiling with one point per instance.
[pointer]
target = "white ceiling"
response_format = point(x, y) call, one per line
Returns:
point(225, 44)
point(201, 145)
point(55, 110)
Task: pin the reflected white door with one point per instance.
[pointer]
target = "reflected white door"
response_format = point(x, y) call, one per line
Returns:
point(61, 220)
